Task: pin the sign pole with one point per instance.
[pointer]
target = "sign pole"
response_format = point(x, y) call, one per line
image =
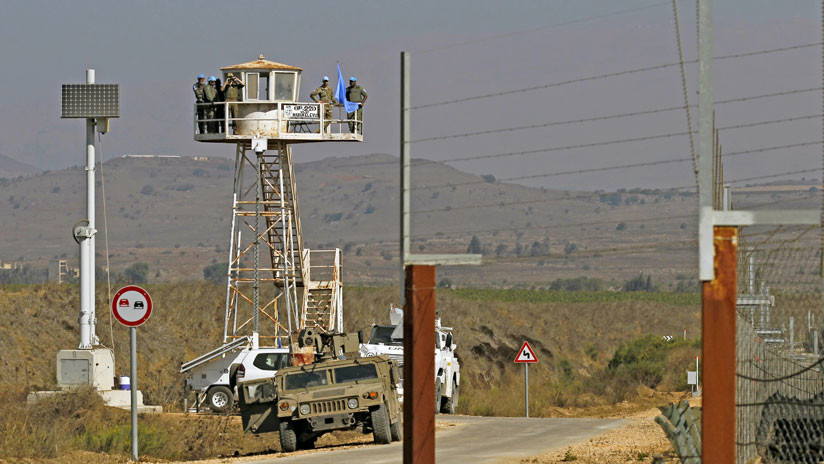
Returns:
point(526, 357)
point(132, 306)
point(133, 388)
point(526, 387)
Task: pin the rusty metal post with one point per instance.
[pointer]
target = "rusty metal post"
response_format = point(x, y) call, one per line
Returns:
point(419, 365)
point(718, 314)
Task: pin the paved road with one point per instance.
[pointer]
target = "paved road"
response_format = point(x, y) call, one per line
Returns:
point(475, 440)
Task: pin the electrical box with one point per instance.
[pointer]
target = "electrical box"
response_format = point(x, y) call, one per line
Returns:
point(93, 367)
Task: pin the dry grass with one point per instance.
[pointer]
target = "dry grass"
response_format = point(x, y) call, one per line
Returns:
point(573, 342)
point(71, 426)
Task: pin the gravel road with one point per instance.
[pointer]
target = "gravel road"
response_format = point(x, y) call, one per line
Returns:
point(477, 440)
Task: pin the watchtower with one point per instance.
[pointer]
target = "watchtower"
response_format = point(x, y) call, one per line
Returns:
point(302, 288)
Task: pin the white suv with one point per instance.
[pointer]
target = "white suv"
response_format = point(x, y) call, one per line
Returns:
point(218, 378)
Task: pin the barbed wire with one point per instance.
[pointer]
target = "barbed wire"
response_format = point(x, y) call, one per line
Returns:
point(584, 120)
point(608, 168)
point(610, 75)
point(785, 377)
point(606, 117)
point(585, 196)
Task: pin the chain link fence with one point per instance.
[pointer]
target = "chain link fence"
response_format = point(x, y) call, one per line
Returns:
point(779, 386)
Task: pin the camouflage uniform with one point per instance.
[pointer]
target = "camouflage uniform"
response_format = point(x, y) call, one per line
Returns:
point(232, 94)
point(356, 94)
point(210, 96)
point(325, 95)
point(201, 109)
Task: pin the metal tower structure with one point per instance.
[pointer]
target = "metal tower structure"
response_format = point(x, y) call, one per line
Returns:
point(274, 285)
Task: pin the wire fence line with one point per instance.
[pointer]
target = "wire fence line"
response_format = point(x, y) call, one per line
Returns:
point(779, 379)
point(607, 117)
point(637, 165)
point(611, 75)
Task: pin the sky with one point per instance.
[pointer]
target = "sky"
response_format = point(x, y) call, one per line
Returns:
point(154, 50)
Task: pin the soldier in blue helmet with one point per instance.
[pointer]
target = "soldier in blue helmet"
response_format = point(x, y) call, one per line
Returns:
point(201, 109)
point(324, 94)
point(210, 96)
point(357, 94)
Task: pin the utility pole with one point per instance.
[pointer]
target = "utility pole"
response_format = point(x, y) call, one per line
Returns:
point(418, 295)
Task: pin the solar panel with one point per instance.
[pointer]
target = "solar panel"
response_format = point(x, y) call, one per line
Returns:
point(90, 101)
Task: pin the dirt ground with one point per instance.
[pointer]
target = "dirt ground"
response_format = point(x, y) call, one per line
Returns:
point(639, 440)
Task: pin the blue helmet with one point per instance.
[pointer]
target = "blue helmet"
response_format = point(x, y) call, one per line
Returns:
point(353, 79)
point(326, 78)
point(201, 76)
point(212, 79)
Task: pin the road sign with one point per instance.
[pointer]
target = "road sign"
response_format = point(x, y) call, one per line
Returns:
point(526, 355)
point(132, 306)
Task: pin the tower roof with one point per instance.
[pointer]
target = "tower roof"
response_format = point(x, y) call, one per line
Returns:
point(261, 63)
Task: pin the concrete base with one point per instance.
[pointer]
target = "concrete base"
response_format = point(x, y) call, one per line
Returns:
point(114, 398)
point(93, 367)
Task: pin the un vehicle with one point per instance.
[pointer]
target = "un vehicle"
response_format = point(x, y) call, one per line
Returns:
point(388, 340)
point(304, 402)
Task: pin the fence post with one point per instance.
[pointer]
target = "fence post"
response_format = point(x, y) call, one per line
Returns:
point(718, 314)
point(419, 365)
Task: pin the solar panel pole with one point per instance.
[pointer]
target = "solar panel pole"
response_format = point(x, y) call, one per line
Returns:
point(87, 241)
point(90, 214)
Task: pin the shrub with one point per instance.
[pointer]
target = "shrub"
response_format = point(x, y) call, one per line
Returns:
point(215, 273)
point(137, 273)
point(332, 217)
point(147, 190)
point(475, 246)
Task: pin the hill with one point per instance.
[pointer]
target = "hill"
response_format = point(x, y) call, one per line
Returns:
point(10, 168)
point(173, 213)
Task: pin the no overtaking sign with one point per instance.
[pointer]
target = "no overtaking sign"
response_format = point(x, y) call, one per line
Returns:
point(132, 306)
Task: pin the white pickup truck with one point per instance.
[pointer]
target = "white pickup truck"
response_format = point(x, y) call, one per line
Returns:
point(388, 340)
point(214, 375)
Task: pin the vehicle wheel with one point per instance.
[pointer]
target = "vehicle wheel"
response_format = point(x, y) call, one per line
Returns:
point(288, 437)
point(437, 397)
point(380, 426)
point(396, 430)
point(452, 401)
point(221, 399)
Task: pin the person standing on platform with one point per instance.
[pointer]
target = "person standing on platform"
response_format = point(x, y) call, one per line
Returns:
point(324, 94)
point(201, 109)
point(210, 96)
point(356, 94)
point(231, 92)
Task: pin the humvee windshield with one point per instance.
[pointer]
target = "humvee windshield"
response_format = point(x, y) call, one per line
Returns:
point(357, 372)
point(305, 380)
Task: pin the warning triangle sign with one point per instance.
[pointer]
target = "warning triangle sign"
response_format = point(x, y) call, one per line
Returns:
point(526, 355)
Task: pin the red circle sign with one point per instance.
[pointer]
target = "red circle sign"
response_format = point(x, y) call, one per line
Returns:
point(132, 306)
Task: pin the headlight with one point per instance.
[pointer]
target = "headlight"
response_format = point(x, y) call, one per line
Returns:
point(353, 403)
point(284, 405)
point(304, 409)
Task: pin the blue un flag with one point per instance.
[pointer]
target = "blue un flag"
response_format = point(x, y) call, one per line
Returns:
point(340, 94)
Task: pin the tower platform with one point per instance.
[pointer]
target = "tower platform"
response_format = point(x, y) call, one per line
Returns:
point(294, 122)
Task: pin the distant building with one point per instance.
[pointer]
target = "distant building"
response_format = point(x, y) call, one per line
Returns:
point(59, 269)
point(151, 156)
point(10, 266)
point(200, 158)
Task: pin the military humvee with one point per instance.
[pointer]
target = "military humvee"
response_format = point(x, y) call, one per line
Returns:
point(304, 402)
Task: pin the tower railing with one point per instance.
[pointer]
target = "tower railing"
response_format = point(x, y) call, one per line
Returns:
point(292, 121)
